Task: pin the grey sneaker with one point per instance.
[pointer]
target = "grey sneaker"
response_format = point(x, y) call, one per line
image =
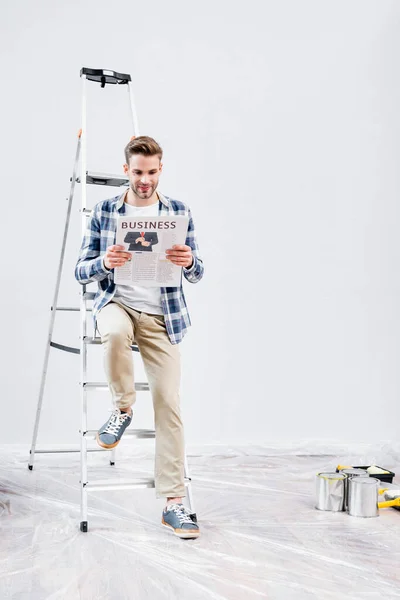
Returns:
point(110, 434)
point(177, 519)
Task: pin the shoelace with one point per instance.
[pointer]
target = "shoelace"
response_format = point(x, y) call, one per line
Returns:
point(115, 422)
point(181, 512)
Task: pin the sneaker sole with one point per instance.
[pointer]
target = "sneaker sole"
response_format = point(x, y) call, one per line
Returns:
point(182, 533)
point(109, 446)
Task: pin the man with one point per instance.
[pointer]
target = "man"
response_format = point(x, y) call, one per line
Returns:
point(155, 318)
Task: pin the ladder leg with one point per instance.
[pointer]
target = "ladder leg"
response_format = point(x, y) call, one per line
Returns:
point(53, 309)
point(189, 490)
point(83, 455)
point(113, 456)
point(84, 427)
point(41, 392)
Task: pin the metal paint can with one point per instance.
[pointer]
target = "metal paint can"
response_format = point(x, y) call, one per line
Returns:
point(351, 472)
point(363, 496)
point(330, 491)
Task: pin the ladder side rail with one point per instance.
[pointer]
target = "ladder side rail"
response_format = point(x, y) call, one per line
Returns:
point(83, 327)
point(133, 110)
point(83, 154)
point(54, 306)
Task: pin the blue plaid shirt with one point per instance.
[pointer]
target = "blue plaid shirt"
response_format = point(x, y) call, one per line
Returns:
point(101, 233)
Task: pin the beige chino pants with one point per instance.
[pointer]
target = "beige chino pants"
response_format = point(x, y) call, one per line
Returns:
point(120, 326)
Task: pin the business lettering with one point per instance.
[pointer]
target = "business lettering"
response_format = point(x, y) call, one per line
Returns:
point(148, 225)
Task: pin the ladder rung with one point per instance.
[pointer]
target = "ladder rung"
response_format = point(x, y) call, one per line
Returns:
point(92, 340)
point(106, 484)
point(65, 348)
point(67, 450)
point(104, 179)
point(71, 308)
point(96, 341)
point(88, 340)
point(137, 433)
point(100, 385)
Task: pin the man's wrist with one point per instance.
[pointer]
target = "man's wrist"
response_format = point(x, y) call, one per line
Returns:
point(191, 265)
point(104, 265)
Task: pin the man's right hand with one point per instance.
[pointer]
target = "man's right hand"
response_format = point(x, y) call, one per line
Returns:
point(116, 256)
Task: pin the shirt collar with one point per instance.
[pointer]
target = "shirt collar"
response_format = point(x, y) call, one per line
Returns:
point(161, 197)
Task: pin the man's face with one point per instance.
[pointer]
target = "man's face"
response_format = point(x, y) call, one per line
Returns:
point(143, 173)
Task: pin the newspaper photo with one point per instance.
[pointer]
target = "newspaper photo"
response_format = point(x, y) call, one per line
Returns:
point(147, 239)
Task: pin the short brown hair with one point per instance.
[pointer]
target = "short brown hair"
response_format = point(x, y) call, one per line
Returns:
point(142, 145)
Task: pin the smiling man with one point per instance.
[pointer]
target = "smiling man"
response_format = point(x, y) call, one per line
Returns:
point(155, 318)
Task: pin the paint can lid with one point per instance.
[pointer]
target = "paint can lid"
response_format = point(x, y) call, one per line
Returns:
point(355, 472)
point(332, 476)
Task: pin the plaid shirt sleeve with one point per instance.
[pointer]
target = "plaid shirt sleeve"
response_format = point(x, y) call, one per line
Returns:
point(90, 265)
point(196, 271)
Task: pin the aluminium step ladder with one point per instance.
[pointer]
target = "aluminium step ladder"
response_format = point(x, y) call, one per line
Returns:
point(86, 178)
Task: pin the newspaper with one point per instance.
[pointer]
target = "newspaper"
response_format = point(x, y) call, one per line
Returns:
point(147, 239)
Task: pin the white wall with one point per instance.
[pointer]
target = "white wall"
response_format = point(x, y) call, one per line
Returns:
point(280, 123)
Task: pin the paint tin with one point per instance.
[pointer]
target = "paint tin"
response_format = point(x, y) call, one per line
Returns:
point(363, 497)
point(351, 472)
point(355, 471)
point(330, 491)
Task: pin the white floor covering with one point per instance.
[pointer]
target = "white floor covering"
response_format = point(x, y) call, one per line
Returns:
point(261, 536)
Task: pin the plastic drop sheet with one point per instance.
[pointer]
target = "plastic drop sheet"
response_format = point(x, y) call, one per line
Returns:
point(261, 536)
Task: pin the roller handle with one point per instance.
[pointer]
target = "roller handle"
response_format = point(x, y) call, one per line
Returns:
point(389, 503)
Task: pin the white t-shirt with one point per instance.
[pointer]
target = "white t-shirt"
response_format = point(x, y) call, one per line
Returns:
point(145, 299)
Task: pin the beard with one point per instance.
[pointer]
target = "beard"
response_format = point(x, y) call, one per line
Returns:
point(144, 195)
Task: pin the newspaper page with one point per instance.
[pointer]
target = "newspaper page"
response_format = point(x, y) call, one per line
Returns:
point(147, 239)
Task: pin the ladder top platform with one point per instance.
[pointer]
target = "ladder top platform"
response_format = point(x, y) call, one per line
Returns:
point(104, 179)
point(104, 76)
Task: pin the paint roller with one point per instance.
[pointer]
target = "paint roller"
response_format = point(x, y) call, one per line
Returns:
point(391, 498)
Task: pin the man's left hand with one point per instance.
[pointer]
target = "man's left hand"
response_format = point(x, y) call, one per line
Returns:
point(180, 256)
